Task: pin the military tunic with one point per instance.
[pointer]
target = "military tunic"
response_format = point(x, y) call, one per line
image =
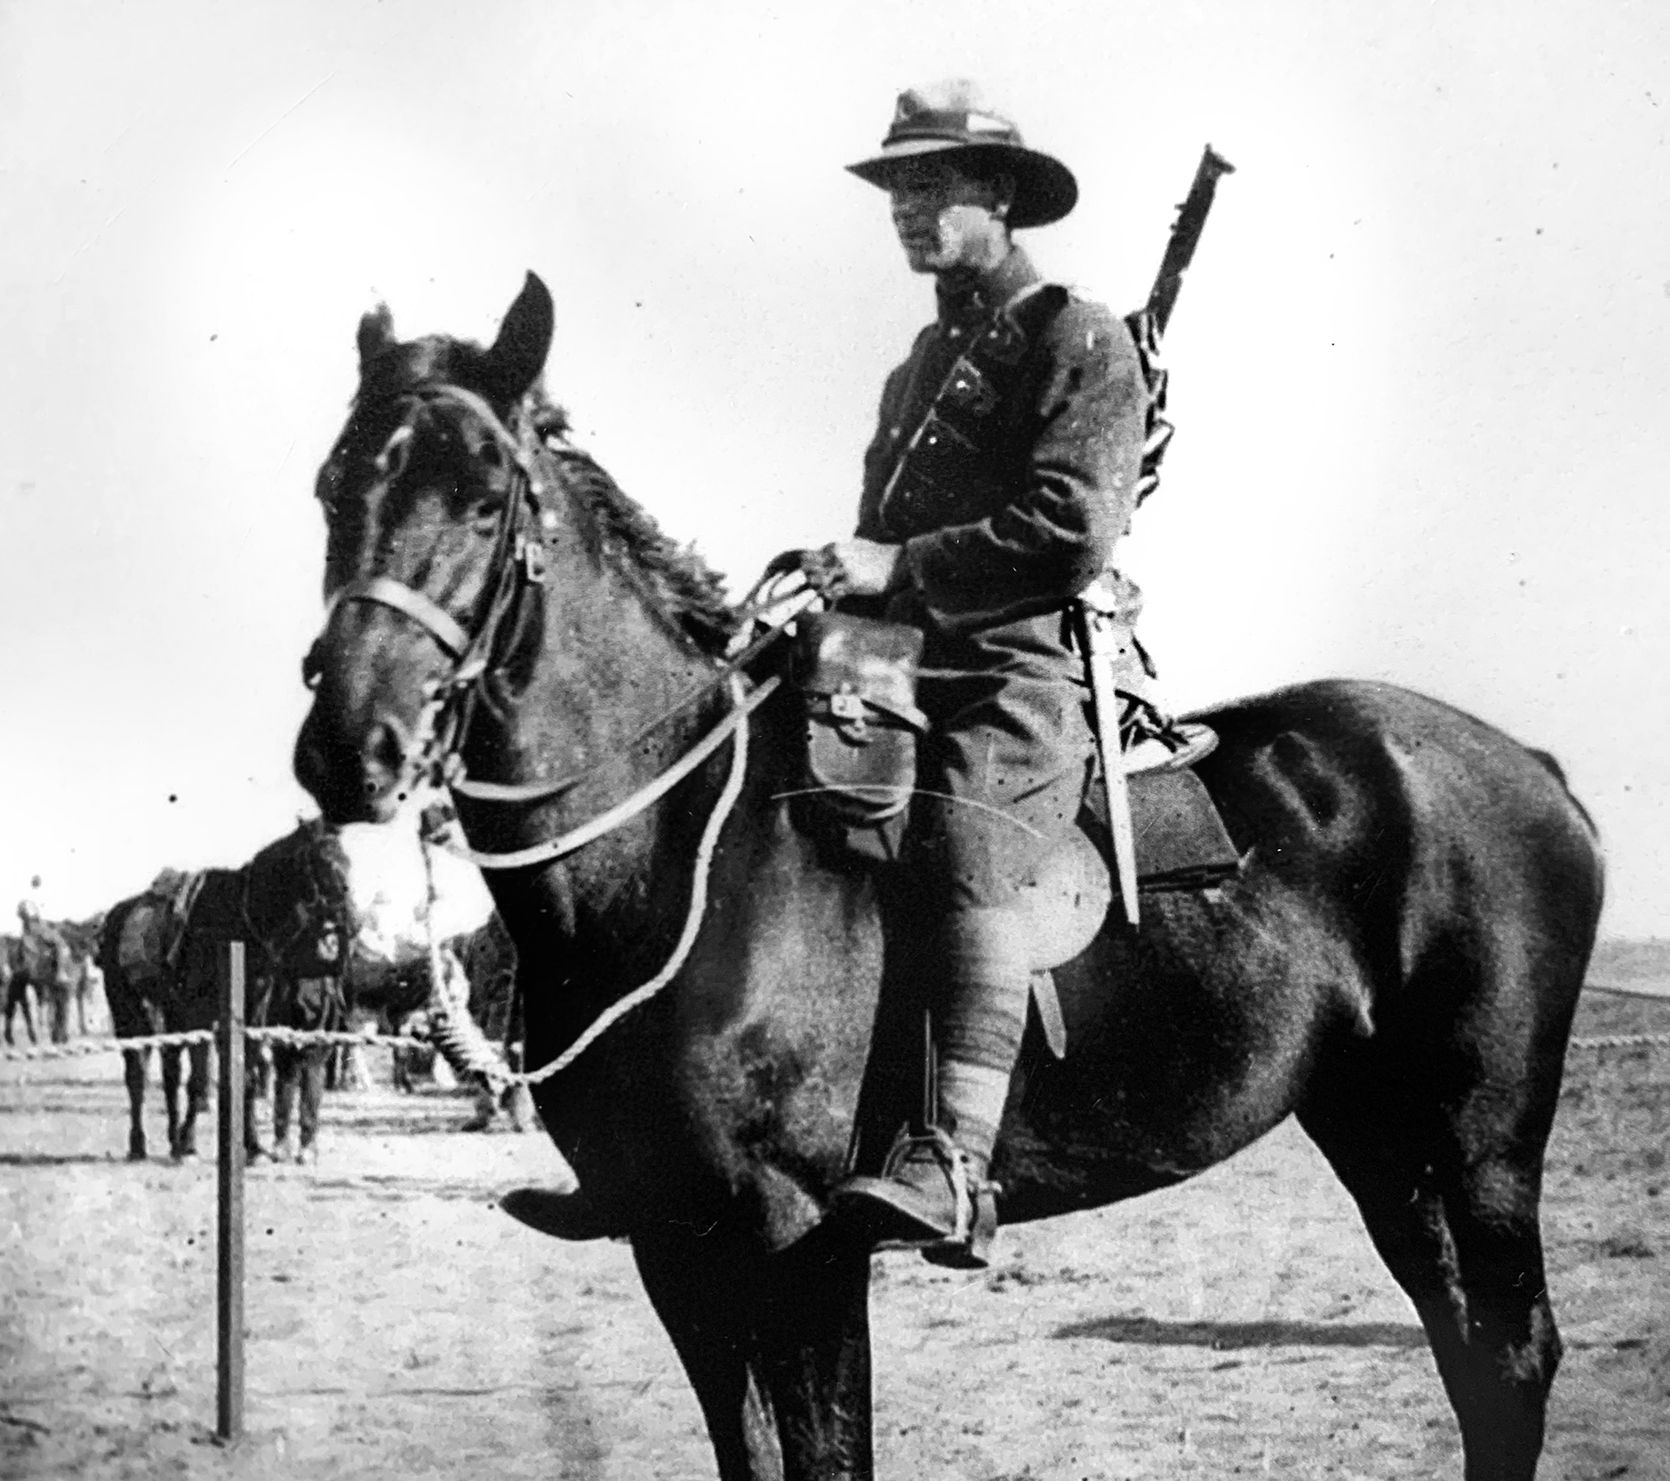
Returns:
point(1007, 503)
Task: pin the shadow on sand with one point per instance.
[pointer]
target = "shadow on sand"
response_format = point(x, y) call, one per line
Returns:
point(1144, 1331)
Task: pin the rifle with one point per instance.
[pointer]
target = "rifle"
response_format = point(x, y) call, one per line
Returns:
point(1102, 631)
point(1185, 236)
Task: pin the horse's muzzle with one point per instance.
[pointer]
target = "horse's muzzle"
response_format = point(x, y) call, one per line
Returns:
point(355, 778)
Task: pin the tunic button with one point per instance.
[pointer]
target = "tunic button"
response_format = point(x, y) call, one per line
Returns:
point(895, 433)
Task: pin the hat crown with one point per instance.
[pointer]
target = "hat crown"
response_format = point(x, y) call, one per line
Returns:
point(953, 118)
point(954, 109)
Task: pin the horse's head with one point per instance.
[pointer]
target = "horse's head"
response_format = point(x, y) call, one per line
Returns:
point(482, 575)
point(434, 532)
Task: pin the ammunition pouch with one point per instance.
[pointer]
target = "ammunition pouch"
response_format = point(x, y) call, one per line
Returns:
point(857, 677)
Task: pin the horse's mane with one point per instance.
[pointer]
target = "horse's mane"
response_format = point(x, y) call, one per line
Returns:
point(681, 586)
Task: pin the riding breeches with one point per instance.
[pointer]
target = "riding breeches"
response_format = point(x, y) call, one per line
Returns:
point(1001, 784)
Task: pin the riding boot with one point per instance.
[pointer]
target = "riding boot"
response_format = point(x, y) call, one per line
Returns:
point(932, 1193)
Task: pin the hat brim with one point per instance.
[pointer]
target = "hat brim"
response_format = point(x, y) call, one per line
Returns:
point(1045, 189)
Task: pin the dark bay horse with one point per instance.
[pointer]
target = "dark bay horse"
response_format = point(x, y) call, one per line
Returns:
point(155, 984)
point(1396, 964)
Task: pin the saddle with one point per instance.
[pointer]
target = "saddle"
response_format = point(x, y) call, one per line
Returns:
point(862, 725)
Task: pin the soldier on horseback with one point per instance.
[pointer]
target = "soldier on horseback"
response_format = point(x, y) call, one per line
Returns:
point(1008, 460)
point(1006, 465)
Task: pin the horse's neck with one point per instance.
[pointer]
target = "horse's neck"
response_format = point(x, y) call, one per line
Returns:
point(607, 710)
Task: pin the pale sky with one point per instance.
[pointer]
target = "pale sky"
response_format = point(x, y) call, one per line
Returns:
point(1419, 369)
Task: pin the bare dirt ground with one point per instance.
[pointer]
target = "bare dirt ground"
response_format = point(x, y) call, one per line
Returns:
point(401, 1326)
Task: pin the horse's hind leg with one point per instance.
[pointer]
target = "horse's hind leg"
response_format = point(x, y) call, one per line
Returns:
point(1459, 1231)
point(135, 1065)
point(171, 1096)
point(197, 1099)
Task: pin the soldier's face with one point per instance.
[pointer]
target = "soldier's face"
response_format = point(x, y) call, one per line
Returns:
point(945, 217)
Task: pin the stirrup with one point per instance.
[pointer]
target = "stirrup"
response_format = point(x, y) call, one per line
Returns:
point(893, 1203)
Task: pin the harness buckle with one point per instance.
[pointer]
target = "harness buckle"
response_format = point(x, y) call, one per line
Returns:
point(531, 553)
point(847, 706)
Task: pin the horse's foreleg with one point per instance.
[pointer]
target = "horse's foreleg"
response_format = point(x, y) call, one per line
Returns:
point(704, 1289)
point(312, 1070)
point(814, 1334)
point(18, 997)
point(1463, 1242)
point(253, 1079)
point(135, 1065)
point(286, 1067)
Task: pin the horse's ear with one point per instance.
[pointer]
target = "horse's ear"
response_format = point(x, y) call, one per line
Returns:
point(376, 333)
point(518, 354)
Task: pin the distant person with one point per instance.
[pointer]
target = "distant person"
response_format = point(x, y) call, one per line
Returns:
point(29, 908)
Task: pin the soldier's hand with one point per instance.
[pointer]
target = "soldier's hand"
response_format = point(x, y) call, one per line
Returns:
point(845, 568)
point(864, 568)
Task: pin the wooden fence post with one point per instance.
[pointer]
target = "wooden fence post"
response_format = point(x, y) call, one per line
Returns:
point(230, 1293)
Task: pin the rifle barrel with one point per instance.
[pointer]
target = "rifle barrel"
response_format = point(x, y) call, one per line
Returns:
point(1185, 236)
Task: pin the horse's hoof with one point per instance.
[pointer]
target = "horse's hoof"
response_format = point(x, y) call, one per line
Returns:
point(138, 1154)
point(564, 1214)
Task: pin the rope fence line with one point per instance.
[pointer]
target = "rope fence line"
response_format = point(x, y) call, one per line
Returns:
point(297, 1038)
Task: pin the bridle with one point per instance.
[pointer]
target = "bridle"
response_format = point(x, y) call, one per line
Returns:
point(517, 564)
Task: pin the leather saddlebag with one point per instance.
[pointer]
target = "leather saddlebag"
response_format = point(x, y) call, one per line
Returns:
point(857, 677)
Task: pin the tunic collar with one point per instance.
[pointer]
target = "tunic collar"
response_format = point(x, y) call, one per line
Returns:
point(970, 300)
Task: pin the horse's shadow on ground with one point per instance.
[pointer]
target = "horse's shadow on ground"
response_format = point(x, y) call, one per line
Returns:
point(1145, 1331)
point(65, 1159)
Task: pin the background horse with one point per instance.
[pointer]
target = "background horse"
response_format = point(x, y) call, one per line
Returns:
point(162, 974)
point(1396, 963)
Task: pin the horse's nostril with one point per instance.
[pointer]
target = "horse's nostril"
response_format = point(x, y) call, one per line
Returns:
point(383, 751)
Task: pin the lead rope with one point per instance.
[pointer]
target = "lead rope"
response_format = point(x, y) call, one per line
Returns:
point(452, 1027)
point(693, 921)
